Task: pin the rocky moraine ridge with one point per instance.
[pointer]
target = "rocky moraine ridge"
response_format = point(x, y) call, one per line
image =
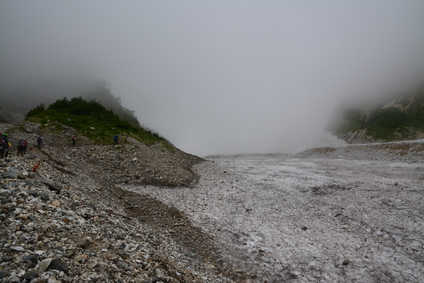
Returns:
point(69, 221)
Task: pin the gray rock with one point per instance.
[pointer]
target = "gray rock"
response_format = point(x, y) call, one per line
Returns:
point(3, 274)
point(57, 264)
point(28, 130)
point(14, 279)
point(6, 258)
point(44, 197)
point(50, 184)
point(44, 264)
point(33, 193)
point(123, 264)
point(17, 248)
point(10, 173)
point(32, 258)
point(54, 187)
point(29, 275)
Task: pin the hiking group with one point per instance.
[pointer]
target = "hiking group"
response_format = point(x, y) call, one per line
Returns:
point(22, 146)
point(5, 146)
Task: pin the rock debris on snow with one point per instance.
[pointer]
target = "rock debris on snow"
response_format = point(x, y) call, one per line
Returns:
point(69, 222)
point(348, 214)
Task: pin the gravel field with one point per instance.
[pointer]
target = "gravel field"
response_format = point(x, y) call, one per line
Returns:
point(329, 214)
point(64, 219)
point(350, 214)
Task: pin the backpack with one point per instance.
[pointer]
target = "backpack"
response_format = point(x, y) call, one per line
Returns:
point(22, 143)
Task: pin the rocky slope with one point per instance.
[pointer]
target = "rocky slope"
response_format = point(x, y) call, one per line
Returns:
point(69, 222)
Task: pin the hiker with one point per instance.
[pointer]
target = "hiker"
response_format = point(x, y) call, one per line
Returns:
point(40, 141)
point(22, 147)
point(115, 139)
point(74, 140)
point(4, 151)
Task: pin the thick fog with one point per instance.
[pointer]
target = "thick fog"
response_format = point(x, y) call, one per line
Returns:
point(218, 76)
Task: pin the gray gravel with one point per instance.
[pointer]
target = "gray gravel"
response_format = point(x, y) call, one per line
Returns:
point(347, 214)
point(69, 222)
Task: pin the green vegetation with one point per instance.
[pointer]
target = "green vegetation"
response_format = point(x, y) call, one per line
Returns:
point(400, 122)
point(388, 124)
point(92, 120)
point(103, 94)
point(353, 120)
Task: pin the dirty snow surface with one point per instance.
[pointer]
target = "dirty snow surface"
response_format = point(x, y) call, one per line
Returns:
point(311, 219)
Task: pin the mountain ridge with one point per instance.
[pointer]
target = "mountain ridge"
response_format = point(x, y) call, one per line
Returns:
point(400, 118)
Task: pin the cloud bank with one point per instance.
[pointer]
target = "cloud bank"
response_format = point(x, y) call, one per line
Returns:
point(220, 76)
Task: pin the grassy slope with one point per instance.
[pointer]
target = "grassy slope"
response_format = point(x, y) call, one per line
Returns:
point(91, 119)
point(402, 122)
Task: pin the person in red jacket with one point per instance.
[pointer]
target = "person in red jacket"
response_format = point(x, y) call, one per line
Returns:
point(74, 140)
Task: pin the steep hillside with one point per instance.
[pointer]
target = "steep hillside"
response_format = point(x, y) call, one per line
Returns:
point(64, 217)
point(141, 157)
point(401, 118)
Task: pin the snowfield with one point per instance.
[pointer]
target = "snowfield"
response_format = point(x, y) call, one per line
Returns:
point(314, 218)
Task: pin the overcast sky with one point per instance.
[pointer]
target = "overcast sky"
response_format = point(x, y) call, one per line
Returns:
point(221, 76)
